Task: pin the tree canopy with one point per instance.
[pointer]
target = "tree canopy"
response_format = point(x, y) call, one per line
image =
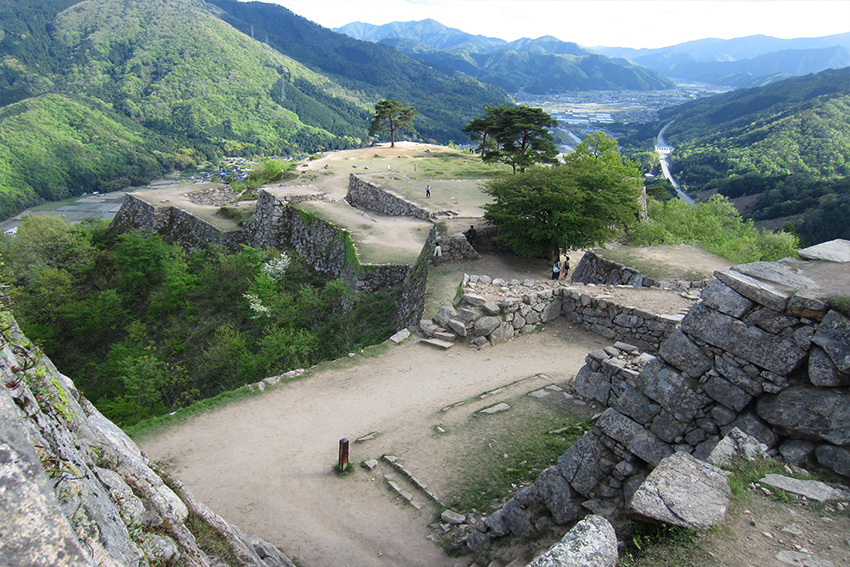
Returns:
point(392, 115)
point(519, 136)
point(583, 202)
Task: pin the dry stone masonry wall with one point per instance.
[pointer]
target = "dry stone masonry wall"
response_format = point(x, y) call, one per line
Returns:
point(762, 352)
point(593, 268)
point(494, 310)
point(366, 195)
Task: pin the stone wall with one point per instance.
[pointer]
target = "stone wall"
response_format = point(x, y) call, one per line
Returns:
point(78, 492)
point(174, 224)
point(519, 307)
point(329, 249)
point(277, 224)
point(760, 352)
point(593, 268)
point(363, 194)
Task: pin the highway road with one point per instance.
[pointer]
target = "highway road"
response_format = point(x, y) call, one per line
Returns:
point(664, 150)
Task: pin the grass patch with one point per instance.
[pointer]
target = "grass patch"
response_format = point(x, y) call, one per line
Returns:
point(507, 450)
point(210, 541)
point(651, 545)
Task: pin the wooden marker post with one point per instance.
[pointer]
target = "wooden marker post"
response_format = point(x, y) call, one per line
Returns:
point(343, 454)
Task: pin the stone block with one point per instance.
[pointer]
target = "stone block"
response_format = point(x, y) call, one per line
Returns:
point(458, 326)
point(680, 352)
point(683, 491)
point(551, 311)
point(797, 451)
point(486, 325)
point(555, 492)
point(836, 459)
point(751, 288)
point(833, 336)
point(750, 343)
point(635, 405)
point(443, 316)
point(672, 391)
point(727, 393)
point(639, 441)
point(723, 298)
point(591, 543)
point(822, 371)
point(582, 466)
point(749, 423)
point(837, 250)
point(667, 428)
point(807, 412)
point(502, 333)
point(592, 385)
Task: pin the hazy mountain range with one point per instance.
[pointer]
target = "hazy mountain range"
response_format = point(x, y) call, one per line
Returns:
point(740, 62)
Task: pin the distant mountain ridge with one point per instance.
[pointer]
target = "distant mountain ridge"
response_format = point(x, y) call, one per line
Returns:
point(742, 62)
point(540, 66)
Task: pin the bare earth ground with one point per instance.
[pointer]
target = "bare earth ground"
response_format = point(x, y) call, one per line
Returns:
point(266, 463)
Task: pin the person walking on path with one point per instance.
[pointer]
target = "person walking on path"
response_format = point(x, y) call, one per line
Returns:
point(427, 191)
point(438, 253)
point(556, 269)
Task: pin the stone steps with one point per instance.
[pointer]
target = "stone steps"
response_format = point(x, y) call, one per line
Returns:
point(445, 345)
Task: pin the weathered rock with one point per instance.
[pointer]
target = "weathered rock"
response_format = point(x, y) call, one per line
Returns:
point(800, 559)
point(428, 327)
point(834, 458)
point(400, 336)
point(833, 336)
point(837, 250)
point(635, 405)
point(443, 316)
point(452, 517)
point(591, 543)
point(458, 327)
point(670, 389)
point(555, 492)
point(592, 385)
point(797, 451)
point(752, 425)
point(473, 299)
point(516, 514)
point(485, 326)
point(823, 372)
point(683, 491)
point(639, 441)
point(502, 333)
point(723, 298)
point(580, 465)
point(736, 444)
point(809, 413)
point(751, 288)
point(811, 489)
point(680, 352)
point(727, 393)
point(764, 349)
point(551, 312)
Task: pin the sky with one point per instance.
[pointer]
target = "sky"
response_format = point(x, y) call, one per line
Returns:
point(592, 23)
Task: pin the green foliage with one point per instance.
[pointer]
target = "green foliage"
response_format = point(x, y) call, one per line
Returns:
point(716, 226)
point(392, 115)
point(577, 204)
point(518, 136)
point(126, 316)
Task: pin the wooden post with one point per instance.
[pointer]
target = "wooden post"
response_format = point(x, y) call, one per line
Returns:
point(343, 454)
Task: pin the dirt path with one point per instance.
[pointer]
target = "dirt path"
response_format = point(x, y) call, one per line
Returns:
point(266, 464)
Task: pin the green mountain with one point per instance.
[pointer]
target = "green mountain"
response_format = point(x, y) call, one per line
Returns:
point(788, 143)
point(539, 66)
point(161, 84)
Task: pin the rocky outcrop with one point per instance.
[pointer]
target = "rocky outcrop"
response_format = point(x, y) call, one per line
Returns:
point(77, 491)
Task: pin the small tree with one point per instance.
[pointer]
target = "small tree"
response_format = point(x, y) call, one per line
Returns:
point(520, 134)
point(392, 115)
point(580, 203)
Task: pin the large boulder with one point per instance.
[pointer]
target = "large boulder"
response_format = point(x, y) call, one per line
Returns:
point(591, 543)
point(683, 491)
point(807, 412)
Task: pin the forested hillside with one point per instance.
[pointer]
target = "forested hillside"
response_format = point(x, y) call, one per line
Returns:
point(161, 84)
point(788, 142)
point(539, 66)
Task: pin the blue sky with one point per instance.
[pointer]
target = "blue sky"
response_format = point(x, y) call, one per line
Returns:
point(625, 23)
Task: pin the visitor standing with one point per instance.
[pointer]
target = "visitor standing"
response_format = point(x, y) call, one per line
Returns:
point(438, 253)
point(427, 191)
point(556, 269)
